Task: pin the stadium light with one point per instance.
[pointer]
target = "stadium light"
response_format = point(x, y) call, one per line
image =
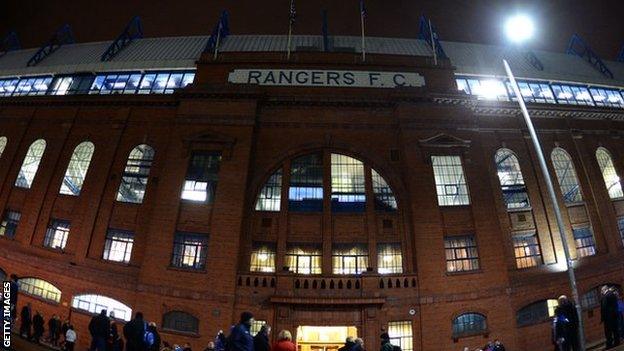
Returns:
point(519, 28)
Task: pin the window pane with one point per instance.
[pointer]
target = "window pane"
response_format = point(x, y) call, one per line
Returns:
point(511, 180)
point(349, 258)
point(609, 175)
point(384, 196)
point(536, 312)
point(9, 223)
point(566, 175)
point(347, 183)
point(306, 184)
point(469, 324)
point(3, 144)
point(180, 321)
point(95, 303)
point(189, 250)
point(135, 176)
point(461, 253)
point(450, 182)
point(56, 235)
point(527, 250)
point(39, 288)
point(584, 240)
point(262, 258)
point(389, 258)
point(118, 245)
point(77, 169)
point(304, 259)
point(31, 164)
point(401, 334)
point(202, 177)
point(270, 196)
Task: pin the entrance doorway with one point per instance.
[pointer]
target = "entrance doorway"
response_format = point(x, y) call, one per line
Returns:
point(313, 338)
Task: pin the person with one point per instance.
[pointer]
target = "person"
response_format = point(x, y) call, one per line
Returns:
point(210, 347)
point(560, 331)
point(26, 317)
point(70, 338)
point(152, 338)
point(220, 341)
point(609, 316)
point(621, 315)
point(13, 298)
point(186, 347)
point(358, 345)
point(53, 330)
point(64, 329)
point(134, 332)
point(99, 327)
point(349, 343)
point(240, 338)
point(284, 342)
point(385, 342)
point(38, 327)
point(261, 340)
point(498, 346)
point(115, 343)
point(568, 309)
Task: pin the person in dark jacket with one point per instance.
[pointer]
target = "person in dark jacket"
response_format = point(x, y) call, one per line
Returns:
point(385, 342)
point(568, 309)
point(134, 332)
point(220, 341)
point(261, 340)
point(38, 327)
point(609, 316)
point(561, 332)
point(99, 327)
point(114, 340)
point(152, 338)
point(54, 327)
point(240, 337)
point(349, 343)
point(26, 317)
point(14, 294)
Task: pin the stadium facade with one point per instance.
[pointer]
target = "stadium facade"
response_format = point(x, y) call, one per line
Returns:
point(326, 194)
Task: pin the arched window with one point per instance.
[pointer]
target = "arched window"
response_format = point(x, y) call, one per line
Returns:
point(3, 144)
point(469, 324)
point(536, 312)
point(180, 321)
point(77, 169)
point(566, 176)
point(135, 175)
point(591, 299)
point(511, 180)
point(306, 183)
point(609, 175)
point(40, 288)
point(95, 303)
point(347, 184)
point(384, 197)
point(31, 164)
point(270, 196)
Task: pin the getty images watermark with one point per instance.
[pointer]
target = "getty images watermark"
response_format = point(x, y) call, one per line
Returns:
point(7, 314)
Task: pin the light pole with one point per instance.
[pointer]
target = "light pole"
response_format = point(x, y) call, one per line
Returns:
point(518, 29)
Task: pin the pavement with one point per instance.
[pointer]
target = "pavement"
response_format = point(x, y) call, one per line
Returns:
point(19, 344)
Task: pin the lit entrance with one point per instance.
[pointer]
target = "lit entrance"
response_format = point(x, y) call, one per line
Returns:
point(323, 338)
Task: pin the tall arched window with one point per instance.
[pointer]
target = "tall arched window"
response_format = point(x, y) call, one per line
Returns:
point(469, 324)
point(3, 144)
point(77, 169)
point(40, 288)
point(31, 164)
point(306, 184)
point(609, 175)
point(180, 321)
point(270, 196)
point(135, 175)
point(566, 176)
point(511, 180)
point(347, 184)
point(95, 303)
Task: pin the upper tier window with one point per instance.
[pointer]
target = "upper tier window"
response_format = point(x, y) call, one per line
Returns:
point(135, 175)
point(450, 181)
point(77, 169)
point(3, 143)
point(202, 176)
point(511, 180)
point(347, 182)
point(31, 164)
point(566, 175)
point(609, 175)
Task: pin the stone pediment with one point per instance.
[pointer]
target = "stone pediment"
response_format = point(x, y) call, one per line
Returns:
point(444, 140)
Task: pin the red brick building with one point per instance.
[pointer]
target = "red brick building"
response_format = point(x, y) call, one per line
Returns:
point(320, 191)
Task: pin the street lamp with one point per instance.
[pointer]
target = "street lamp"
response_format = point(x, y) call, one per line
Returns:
point(520, 28)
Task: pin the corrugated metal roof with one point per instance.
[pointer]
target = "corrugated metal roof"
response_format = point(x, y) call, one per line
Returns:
point(182, 52)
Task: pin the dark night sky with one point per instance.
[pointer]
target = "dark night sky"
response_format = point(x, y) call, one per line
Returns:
point(599, 22)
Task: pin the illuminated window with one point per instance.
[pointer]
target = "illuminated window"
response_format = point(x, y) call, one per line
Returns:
point(566, 175)
point(606, 97)
point(3, 144)
point(347, 182)
point(461, 253)
point(527, 249)
point(39, 288)
point(462, 85)
point(9, 223)
point(400, 333)
point(270, 196)
point(536, 312)
point(584, 240)
point(77, 169)
point(533, 92)
point(349, 258)
point(262, 257)
point(572, 94)
point(384, 197)
point(511, 180)
point(609, 175)
point(189, 250)
point(180, 321)
point(304, 259)
point(469, 324)
point(202, 177)
point(32, 86)
point(56, 235)
point(134, 179)
point(31, 164)
point(389, 258)
point(96, 303)
point(488, 89)
point(118, 245)
point(450, 181)
point(306, 184)
point(620, 228)
point(256, 325)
